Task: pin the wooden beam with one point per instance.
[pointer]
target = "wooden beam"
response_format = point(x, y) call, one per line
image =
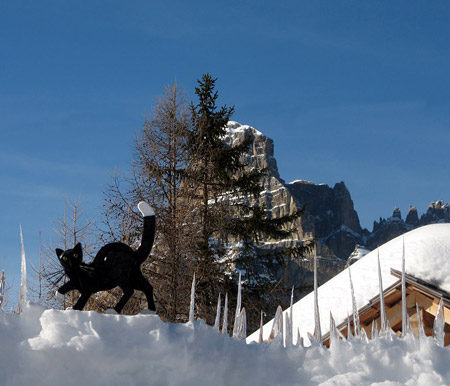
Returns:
point(432, 309)
point(394, 315)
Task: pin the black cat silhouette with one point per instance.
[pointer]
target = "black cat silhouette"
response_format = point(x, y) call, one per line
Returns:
point(115, 264)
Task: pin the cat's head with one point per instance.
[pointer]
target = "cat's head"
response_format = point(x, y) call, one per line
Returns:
point(70, 259)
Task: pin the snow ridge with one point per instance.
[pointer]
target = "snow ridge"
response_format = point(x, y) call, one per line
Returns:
point(50, 347)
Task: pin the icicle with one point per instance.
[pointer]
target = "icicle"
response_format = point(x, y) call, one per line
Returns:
point(317, 329)
point(408, 325)
point(334, 335)
point(238, 309)
point(260, 338)
point(363, 336)
point(383, 327)
point(2, 289)
point(389, 331)
point(374, 333)
point(277, 326)
point(242, 325)
point(217, 321)
point(349, 330)
point(290, 322)
point(356, 323)
point(23, 277)
point(439, 324)
point(420, 329)
point(191, 308)
point(287, 324)
point(225, 316)
point(299, 338)
point(404, 310)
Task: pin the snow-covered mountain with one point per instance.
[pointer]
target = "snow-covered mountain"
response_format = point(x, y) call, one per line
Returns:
point(330, 214)
point(279, 200)
point(386, 229)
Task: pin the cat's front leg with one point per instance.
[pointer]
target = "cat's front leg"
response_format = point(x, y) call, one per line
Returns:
point(69, 286)
point(82, 300)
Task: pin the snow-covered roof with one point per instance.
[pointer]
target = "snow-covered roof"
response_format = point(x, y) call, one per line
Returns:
point(427, 251)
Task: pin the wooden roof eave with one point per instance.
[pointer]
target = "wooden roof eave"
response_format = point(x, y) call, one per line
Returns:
point(366, 308)
point(424, 287)
point(420, 285)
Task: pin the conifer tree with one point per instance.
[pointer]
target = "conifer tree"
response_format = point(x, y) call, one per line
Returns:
point(226, 192)
point(206, 196)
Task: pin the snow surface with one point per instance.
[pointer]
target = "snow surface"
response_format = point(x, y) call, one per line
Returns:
point(358, 253)
point(235, 127)
point(427, 251)
point(301, 181)
point(72, 348)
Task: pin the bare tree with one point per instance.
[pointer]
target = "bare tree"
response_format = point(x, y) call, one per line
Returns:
point(2, 290)
point(159, 162)
point(72, 227)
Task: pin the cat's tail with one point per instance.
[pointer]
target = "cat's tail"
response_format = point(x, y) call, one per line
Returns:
point(148, 234)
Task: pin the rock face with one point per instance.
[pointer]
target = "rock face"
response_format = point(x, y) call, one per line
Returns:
point(437, 212)
point(330, 215)
point(280, 200)
point(261, 153)
point(412, 219)
point(275, 195)
point(387, 229)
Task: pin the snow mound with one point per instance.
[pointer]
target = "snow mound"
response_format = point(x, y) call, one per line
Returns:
point(49, 347)
point(427, 251)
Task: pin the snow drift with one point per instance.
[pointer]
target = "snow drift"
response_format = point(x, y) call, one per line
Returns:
point(49, 347)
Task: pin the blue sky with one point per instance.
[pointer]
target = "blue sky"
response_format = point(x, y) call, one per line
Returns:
point(353, 91)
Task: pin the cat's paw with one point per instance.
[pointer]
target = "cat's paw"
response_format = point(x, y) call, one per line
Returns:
point(111, 311)
point(146, 209)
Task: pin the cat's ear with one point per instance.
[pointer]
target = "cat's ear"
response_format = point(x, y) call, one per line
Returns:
point(59, 252)
point(78, 250)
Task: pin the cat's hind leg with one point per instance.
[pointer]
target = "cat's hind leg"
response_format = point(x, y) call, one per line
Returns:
point(127, 294)
point(143, 285)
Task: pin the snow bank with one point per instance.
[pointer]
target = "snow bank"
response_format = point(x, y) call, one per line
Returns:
point(49, 347)
point(427, 251)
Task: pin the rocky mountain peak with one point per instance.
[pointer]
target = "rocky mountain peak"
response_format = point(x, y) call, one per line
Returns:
point(437, 212)
point(261, 152)
point(396, 215)
point(412, 219)
point(330, 216)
